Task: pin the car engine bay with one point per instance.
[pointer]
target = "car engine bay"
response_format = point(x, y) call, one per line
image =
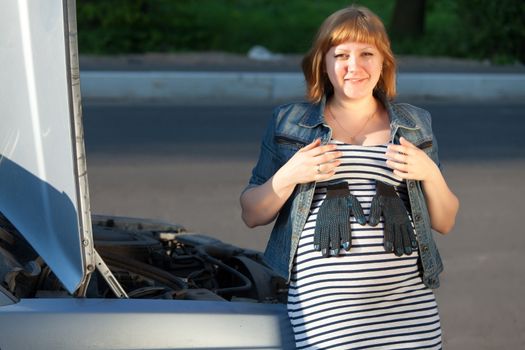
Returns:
point(150, 260)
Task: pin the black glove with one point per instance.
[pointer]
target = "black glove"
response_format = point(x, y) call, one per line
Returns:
point(332, 228)
point(399, 235)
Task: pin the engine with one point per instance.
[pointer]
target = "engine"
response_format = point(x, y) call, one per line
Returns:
point(149, 260)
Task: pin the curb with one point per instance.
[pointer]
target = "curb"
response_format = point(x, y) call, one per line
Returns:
point(235, 87)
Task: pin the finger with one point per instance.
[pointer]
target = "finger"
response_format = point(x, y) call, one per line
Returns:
point(397, 166)
point(326, 170)
point(311, 145)
point(406, 171)
point(399, 149)
point(405, 175)
point(328, 166)
point(322, 149)
point(328, 157)
point(401, 174)
point(396, 156)
point(405, 142)
point(323, 176)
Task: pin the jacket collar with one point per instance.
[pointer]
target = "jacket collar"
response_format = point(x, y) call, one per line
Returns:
point(314, 114)
point(398, 116)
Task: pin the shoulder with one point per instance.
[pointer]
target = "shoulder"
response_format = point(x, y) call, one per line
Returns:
point(415, 115)
point(296, 122)
point(292, 112)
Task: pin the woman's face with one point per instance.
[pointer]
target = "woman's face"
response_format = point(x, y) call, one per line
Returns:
point(353, 69)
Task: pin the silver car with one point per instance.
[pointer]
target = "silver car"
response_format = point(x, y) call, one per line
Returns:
point(70, 280)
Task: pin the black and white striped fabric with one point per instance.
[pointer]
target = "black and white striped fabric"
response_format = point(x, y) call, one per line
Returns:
point(364, 298)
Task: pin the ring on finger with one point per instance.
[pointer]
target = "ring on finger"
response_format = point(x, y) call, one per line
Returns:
point(319, 168)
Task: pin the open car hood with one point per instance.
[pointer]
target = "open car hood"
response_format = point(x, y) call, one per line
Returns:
point(43, 183)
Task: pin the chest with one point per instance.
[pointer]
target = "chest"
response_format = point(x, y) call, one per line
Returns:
point(361, 132)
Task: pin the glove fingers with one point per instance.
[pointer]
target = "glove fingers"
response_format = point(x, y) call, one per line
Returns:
point(357, 210)
point(388, 238)
point(320, 233)
point(346, 236)
point(327, 214)
point(322, 216)
point(398, 240)
point(335, 240)
point(385, 190)
point(412, 237)
point(325, 241)
point(407, 245)
point(375, 211)
point(317, 238)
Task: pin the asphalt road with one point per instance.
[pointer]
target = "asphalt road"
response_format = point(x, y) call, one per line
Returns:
point(188, 164)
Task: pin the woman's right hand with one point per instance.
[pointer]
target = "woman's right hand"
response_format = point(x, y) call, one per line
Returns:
point(314, 162)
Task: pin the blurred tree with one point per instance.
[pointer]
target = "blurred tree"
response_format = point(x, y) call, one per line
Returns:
point(408, 19)
point(493, 29)
point(483, 29)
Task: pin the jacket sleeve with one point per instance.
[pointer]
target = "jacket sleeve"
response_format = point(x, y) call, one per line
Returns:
point(433, 152)
point(268, 162)
point(423, 119)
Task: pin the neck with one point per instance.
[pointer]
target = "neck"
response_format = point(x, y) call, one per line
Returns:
point(361, 108)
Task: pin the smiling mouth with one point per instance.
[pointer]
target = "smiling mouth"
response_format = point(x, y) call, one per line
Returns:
point(355, 80)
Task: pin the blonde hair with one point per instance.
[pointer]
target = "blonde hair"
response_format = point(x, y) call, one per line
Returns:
point(356, 24)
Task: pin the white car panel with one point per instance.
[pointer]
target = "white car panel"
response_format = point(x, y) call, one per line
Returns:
point(36, 139)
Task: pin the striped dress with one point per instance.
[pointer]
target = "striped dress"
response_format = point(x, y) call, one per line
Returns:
point(364, 298)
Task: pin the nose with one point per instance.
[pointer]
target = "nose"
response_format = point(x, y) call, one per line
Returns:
point(352, 63)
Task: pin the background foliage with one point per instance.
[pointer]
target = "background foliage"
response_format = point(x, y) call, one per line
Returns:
point(461, 28)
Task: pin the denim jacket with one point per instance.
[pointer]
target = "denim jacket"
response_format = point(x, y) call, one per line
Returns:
point(296, 125)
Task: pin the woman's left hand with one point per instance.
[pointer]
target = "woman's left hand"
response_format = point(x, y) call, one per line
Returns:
point(410, 162)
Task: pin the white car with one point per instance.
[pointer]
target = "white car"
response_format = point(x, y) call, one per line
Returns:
point(70, 280)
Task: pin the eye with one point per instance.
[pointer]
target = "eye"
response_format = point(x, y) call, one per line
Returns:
point(341, 56)
point(368, 53)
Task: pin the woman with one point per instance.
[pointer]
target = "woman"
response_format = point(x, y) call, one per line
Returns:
point(353, 180)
